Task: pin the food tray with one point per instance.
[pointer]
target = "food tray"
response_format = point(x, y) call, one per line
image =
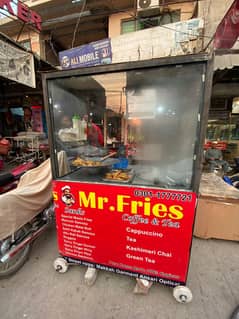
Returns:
point(95, 169)
point(97, 161)
point(130, 173)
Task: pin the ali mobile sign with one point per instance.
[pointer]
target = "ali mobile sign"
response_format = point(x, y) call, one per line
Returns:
point(21, 11)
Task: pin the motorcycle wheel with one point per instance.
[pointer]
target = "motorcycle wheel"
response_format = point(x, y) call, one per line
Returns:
point(11, 266)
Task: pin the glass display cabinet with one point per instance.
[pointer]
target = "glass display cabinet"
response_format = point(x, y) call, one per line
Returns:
point(133, 137)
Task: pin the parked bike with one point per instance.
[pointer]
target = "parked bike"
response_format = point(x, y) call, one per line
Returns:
point(15, 249)
point(25, 212)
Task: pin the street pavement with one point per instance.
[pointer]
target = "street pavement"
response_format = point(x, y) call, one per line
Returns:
point(37, 291)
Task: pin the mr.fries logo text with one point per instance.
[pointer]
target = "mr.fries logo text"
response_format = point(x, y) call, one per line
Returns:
point(125, 204)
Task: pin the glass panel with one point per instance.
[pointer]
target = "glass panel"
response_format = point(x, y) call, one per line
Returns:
point(170, 17)
point(147, 23)
point(136, 127)
point(150, 22)
point(128, 26)
point(165, 18)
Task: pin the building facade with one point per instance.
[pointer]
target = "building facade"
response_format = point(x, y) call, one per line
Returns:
point(68, 24)
point(137, 29)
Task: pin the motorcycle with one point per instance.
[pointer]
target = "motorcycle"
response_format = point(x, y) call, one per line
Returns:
point(16, 248)
point(9, 180)
point(26, 212)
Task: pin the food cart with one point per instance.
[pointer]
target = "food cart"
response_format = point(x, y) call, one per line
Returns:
point(133, 135)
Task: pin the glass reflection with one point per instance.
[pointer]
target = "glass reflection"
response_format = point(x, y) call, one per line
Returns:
point(141, 125)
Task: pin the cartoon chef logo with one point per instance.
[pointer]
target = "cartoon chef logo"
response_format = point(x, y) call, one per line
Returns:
point(66, 196)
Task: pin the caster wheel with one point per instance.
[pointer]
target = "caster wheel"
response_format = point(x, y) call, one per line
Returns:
point(235, 314)
point(90, 276)
point(182, 294)
point(60, 265)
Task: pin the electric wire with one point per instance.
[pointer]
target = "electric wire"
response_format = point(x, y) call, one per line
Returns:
point(77, 24)
point(117, 10)
point(124, 11)
point(134, 16)
point(210, 37)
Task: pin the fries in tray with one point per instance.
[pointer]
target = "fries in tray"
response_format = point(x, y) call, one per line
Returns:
point(118, 175)
point(81, 162)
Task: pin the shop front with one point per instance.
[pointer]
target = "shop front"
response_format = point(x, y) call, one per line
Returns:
point(22, 118)
point(223, 123)
point(217, 212)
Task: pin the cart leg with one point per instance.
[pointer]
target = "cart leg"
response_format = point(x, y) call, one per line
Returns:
point(90, 276)
point(142, 286)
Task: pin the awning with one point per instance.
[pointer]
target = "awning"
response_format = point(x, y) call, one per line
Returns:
point(226, 59)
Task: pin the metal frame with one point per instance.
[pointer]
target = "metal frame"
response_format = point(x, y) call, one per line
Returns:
point(111, 68)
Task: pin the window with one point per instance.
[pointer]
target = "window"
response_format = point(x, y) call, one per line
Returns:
point(145, 23)
point(128, 26)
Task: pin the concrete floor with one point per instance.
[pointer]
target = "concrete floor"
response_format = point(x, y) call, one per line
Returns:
point(38, 292)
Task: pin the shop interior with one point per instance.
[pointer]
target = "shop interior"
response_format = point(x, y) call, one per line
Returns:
point(135, 127)
point(23, 136)
point(223, 120)
point(23, 129)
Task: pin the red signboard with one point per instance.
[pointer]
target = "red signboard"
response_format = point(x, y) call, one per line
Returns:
point(23, 13)
point(138, 231)
point(228, 30)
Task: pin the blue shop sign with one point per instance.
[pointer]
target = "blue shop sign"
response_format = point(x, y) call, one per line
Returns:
point(92, 54)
